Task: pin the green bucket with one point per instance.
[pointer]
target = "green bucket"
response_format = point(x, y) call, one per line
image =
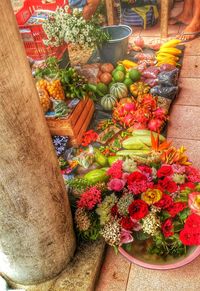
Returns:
point(115, 48)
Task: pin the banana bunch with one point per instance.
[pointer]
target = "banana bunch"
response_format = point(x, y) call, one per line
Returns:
point(169, 53)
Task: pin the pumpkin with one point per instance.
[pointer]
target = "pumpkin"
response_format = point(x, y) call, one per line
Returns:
point(108, 102)
point(138, 89)
point(119, 90)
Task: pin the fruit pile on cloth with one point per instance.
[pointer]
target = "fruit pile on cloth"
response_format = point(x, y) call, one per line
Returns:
point(132, 100)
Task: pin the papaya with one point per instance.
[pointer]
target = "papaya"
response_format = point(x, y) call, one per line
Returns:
point(95, 176)
point(136, 143)
point(141, 153)
point(100, 158)
point(147, 132)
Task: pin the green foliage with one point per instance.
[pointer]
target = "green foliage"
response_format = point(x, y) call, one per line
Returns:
point(167, 246)
point(78, 184)
point(74, 85)
point(140, 235)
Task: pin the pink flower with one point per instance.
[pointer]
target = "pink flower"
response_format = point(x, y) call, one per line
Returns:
point(194, 202)
point(178, 169)
point(125, 177)
point(137, 226)
point(193, 174)
point(115, 170)
point(125, 237)
point(116, 184)
point(138, 183)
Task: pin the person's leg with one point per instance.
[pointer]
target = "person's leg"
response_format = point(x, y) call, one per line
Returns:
point(193, 29)
point(90, 8)
point(186, 15)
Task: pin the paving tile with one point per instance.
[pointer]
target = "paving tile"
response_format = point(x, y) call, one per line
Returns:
point(192, 48)
point(184, 122)
point(191, 67)
point(185, 279)
point(155, 30)
point(114, 273)
point(189, 92)
point(193, 149)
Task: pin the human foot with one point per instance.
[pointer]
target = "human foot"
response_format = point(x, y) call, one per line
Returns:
point(190, 32)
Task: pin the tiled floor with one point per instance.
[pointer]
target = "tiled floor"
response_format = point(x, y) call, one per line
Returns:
point(117, 274)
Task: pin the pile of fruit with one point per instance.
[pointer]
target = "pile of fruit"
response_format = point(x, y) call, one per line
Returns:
point(56, 84)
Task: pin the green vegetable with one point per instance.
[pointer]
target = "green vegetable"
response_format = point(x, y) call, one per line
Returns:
point(100, 158)
point(95, 176)
point(137, 143)
point(141, 153)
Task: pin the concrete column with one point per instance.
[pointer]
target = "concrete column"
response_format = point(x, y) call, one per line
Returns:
point(36, 232)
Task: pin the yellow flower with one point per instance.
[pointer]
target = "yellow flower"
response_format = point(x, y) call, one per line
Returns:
point(151, 196)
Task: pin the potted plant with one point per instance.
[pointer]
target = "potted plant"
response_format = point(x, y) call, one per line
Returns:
point(148, 208)
point(71, 28)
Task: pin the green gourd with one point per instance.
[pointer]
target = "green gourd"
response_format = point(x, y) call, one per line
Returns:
point(119, 90)
point(108, 102)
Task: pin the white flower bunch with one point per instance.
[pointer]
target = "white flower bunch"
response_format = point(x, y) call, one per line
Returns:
point(72, 28)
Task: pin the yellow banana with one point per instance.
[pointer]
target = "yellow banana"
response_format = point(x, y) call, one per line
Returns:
point(165, 56)
point(166, 60)
point(128, 64)
point(171, 43)
point(173, 63)
point(172, 51)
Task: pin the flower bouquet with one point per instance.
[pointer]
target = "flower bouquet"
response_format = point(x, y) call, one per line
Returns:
point(150, 204)
point(72, 28)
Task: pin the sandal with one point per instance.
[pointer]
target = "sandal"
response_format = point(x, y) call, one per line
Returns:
point(183, 36)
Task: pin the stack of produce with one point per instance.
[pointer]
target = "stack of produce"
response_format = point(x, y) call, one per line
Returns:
point(56, 84)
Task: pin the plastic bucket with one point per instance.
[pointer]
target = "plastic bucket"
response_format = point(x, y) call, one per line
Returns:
point(115, 49)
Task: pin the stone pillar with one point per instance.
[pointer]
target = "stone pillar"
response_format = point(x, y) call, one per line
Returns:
point(36, 231)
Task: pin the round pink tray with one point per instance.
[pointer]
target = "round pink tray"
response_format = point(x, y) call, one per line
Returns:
point(178, 264)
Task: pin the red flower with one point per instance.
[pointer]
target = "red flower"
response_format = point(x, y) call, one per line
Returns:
point(167, 228)
point(187, 185)
point(145, 169)
point(168, 185)
point(127, 223)
point(176, 207)
point(138, 183)
point(115, 170)
point(114, 210)
point(88, 137)
point(138, 209)
point(190, 235)
point(89, 198)
point(165, 202)
point(188, 238)
point(164, 171)
point(193, 223)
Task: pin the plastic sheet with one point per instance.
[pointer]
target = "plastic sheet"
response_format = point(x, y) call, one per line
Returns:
point(167, 92)
point(169, 78)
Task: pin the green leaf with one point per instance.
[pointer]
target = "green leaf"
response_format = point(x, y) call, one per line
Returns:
point(116, 249)
point(127, 247)
point(140, 235)
point(184, 214)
